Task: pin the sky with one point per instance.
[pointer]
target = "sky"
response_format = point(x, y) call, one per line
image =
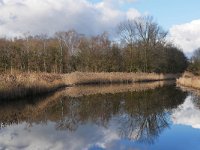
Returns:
point(91, 17)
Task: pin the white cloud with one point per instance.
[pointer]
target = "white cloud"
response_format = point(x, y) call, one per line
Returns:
point(132, 13)
point(187, 35)
point(187, 114)
point(50, 16)
point(43, 137)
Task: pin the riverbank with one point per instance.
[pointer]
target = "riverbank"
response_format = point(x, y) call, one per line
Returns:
point(17, 85)
point(13, 86)
point(88, 90)
point(189, 80)
point(85, 78)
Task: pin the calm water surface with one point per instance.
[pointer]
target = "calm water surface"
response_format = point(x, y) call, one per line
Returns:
point(160, 118)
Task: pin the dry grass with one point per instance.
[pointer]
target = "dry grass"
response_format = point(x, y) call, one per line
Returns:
point(79, 78)
point(25, 84)
point(189, 80)
point(28, 84)
point(78, 91)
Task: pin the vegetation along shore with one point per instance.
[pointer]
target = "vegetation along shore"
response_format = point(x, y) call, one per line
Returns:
point(28, 84)
point(191, 78)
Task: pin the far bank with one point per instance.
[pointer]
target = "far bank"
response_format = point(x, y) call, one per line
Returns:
point(17, 85)
point(190, 80)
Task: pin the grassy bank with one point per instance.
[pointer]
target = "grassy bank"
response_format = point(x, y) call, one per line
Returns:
point(85, 90)
point(189, 80)
point(81, 78)
point(28, 84)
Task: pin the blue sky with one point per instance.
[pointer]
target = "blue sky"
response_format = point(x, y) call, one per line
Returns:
point(170, 12)
point(166, 12)
point(92, 17)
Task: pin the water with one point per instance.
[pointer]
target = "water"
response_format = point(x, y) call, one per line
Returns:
point(155, 118)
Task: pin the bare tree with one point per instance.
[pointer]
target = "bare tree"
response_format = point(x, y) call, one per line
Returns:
point(127, 32)
point(69, 43)
point(43, 39)
point(142, 33)
point(27, 50)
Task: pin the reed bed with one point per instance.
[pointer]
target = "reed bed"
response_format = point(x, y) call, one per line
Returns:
point(189, 80)
point(85, 90)
point(28, 84)
point(16, 85)
point(81, 78)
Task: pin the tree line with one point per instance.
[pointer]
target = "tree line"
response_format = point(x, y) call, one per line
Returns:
point(194, 63)
point(141, 46)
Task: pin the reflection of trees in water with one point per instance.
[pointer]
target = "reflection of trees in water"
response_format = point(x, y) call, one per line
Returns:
point(72, 119)
point(196, 99)
point(146, 113)
point(143, 128)
point(194, 95)
point(140, 115)
point(77, 111)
